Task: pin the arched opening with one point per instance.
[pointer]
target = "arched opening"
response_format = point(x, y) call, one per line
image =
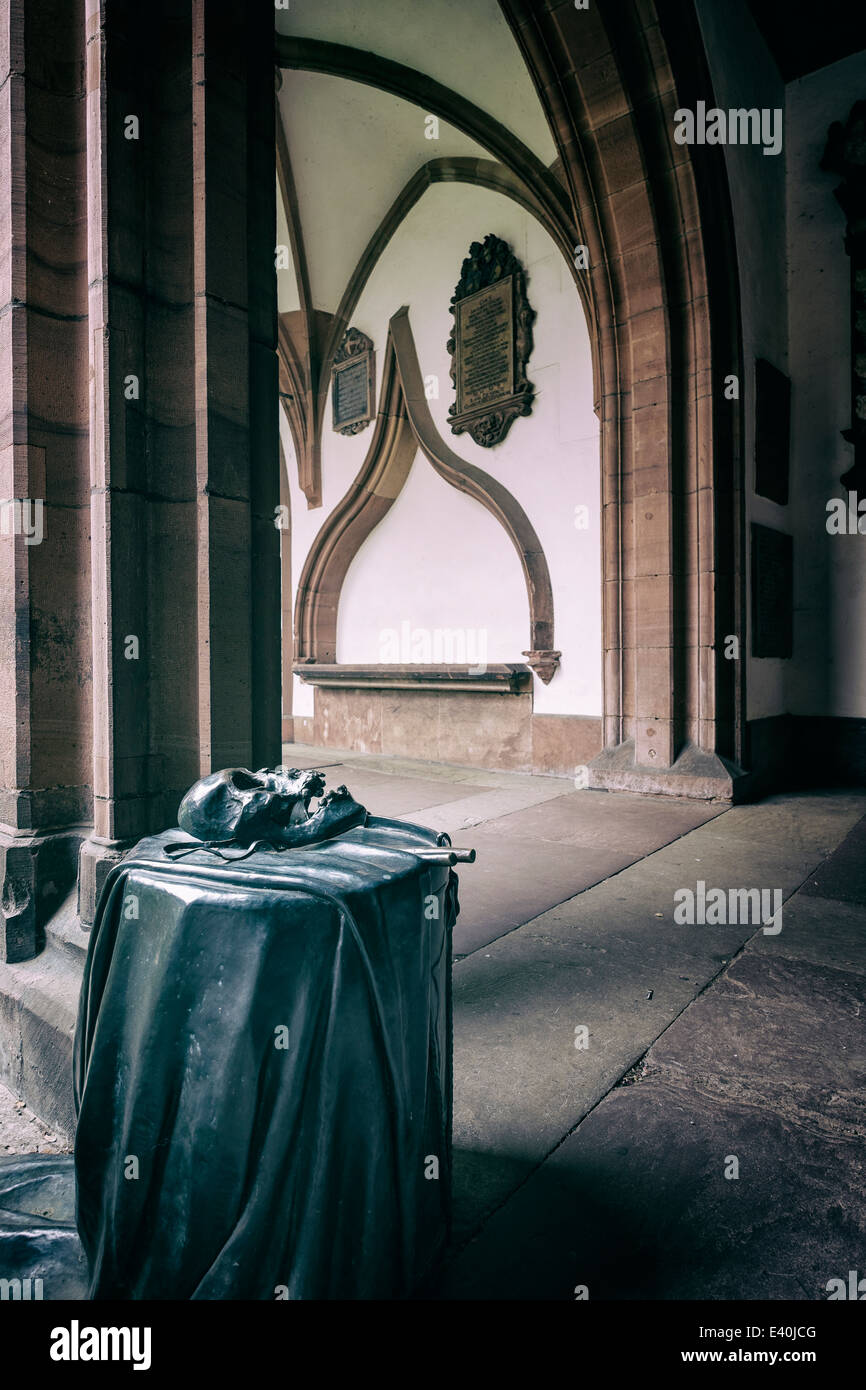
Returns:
point(628, 211)
point(540, 484)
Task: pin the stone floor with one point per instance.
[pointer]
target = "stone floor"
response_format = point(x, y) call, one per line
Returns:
point(22, 1132)
point(709, 1050)
point(539, 841)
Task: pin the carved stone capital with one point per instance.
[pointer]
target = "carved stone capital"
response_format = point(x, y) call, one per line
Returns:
point(544, 664)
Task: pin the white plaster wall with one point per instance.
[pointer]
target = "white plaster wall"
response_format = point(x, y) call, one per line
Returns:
point(437, 562)
point(352, 149)
point(830, 579)
point(744, 74)
point(288, 297)
point(438, 558)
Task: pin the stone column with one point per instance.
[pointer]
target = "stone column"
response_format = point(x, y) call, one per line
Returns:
point(236, 414)
point(45, 755)
point(121, 135)
point(288, 637)
point(184, 446)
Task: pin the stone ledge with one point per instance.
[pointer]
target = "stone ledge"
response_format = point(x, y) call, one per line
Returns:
point(499, 678)
point(36, 873)
point(38, 1010)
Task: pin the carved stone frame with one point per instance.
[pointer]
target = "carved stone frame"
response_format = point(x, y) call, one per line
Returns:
point(354, 348)
point(487, 264)
point(845, 155)
point(403, 426)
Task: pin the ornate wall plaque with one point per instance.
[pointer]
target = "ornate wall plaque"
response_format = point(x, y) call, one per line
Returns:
point(490, 344)
point(845, 155)
point(772, 431)
point(772, 592)
point(352, 383)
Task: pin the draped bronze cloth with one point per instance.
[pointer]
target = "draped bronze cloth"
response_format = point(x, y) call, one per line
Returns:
point(263, 1071)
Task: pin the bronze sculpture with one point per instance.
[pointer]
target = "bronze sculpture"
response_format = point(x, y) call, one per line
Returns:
point(270, 807)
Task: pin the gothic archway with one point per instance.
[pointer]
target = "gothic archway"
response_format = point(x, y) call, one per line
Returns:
point(404, 425)
point(655, 219)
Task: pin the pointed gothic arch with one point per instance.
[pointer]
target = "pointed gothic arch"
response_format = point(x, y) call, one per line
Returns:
point(403, 426)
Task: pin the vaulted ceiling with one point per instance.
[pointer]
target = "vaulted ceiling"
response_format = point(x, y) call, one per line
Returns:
point(360, 86)
point(464, 44)
point(358, 145)
point(353, 148)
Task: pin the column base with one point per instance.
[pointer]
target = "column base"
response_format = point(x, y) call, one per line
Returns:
point(96, 860)
point(696, 773)
point(36, 873)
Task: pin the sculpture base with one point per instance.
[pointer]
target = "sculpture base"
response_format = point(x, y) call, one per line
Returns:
point(263, 1071)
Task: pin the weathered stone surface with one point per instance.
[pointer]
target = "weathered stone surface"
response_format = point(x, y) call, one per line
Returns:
point(38, 1007)
point(843, 877)
point(22, 1132)
point(766, 1067)
point(36, 873)
point(45, 640)
point(95, 863)
point(18, 868)
point(492, 731)
point(520, 1082)
point(776, 1034)
point(638, 825)
point(820, 930)
point(561, 743)
point(635, 1205)
point(644, 764)
point(494, 804)
point(557, 872)
point(399, 796)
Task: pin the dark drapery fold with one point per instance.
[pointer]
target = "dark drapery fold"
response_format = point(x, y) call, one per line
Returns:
point(263, 1071)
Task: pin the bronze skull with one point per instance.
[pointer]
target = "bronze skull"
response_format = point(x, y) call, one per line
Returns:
point(239, 807)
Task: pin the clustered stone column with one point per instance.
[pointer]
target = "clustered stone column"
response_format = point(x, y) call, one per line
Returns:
point(45, 695)
point(140, 637)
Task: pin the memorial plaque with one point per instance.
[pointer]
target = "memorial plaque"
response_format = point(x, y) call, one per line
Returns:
point(352, 405)
point(772, 592)
point(491, 343)
point(772, 431)
point(485, 346)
